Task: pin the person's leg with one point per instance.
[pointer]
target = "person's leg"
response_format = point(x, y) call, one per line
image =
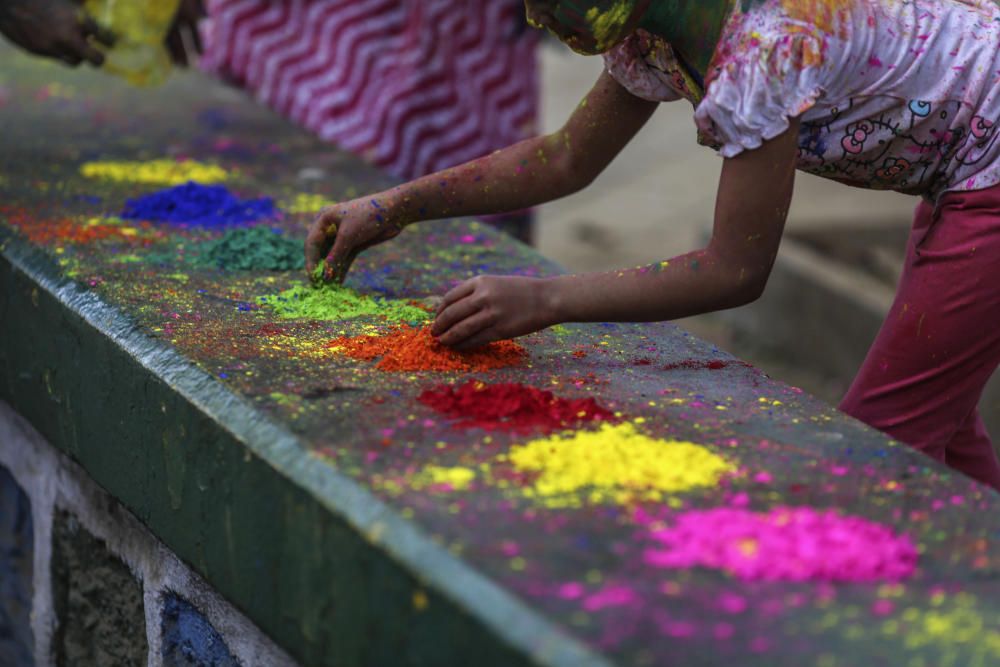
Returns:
point(924, 374)
point(972, 452)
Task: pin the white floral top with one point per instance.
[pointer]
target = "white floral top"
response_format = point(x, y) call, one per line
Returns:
point(892, 94)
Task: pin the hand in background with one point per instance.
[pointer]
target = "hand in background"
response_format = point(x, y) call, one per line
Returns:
point(341, 232)
point(183, 40)
point(489, 308)
point(53, 28)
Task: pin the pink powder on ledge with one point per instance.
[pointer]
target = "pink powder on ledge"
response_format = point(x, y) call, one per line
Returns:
point(784, 544)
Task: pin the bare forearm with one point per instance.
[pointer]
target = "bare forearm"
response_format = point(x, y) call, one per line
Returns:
point(691, 284)
point(526, 174)
point(532, 172)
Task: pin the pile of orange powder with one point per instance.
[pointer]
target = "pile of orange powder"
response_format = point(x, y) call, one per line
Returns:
point(415, 349)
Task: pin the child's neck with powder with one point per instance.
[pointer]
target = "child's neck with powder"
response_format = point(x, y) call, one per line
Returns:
point(692, 27)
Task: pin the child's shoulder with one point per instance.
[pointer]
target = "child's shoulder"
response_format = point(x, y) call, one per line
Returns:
point(648, 68)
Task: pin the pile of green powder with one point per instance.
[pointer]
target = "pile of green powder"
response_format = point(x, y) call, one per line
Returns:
point(253, 248)
point(334, 302)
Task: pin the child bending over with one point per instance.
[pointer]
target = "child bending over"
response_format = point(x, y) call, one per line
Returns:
point(874, 93)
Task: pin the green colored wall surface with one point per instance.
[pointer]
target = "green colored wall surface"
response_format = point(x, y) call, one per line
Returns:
point(294, 479)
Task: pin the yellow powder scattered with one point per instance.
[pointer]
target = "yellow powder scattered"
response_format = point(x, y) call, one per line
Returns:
point(306, 203)
point(615, 464)
point(458, 478)
point(608, 25)
point(158, 172)
point(959, 623)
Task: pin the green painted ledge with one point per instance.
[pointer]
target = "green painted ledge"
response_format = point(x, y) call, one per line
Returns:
point(321, 565)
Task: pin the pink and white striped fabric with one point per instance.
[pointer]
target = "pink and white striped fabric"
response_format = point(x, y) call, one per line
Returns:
point(413, 86)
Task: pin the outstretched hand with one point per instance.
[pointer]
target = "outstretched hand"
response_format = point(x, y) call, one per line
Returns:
point(342, 231)
point(54, 28)
point(489, 308)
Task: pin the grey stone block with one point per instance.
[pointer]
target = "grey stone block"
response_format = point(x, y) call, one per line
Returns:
point(16, 568)
point(97, 600)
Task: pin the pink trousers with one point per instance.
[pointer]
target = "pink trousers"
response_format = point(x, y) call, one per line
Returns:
point(923, 377)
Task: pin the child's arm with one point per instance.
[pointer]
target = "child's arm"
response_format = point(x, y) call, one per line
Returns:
point(753, 198)
point(523, 175)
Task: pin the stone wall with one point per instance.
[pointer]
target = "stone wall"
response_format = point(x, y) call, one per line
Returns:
point(82, 582)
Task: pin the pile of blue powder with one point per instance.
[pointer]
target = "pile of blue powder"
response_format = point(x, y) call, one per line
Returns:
point(200, 205)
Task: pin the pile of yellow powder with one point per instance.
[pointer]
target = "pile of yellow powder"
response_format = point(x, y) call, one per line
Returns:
point(615, 464)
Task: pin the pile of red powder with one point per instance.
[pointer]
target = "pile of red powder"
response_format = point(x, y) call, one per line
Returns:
point(415, 349)
point(512, 407)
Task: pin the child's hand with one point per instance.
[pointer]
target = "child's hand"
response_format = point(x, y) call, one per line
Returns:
point(342, 231)
point(54, 28)
point(489, 308)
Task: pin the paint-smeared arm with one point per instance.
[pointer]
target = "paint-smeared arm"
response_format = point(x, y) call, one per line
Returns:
point(526, 174)
point(753, 198)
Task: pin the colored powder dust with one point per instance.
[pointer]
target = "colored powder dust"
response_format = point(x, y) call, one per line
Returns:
point(511, 407)
point(249, 248)
point(710, 364)
point(440, 478)
point(954, 621)
point(200, 205)
point(306, 203)
point(155, 172)
point(316, 277)
point(47, 232)
point(615, 464)
point(335, 303)
point(784, 544)
point(415, 349)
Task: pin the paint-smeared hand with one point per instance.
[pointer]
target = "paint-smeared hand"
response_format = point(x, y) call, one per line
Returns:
point(342, 231)
point(489, 308)
point(54, 28)
point(183, 40)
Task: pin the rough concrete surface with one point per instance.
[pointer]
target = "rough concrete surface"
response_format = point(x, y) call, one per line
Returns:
point(98, 601)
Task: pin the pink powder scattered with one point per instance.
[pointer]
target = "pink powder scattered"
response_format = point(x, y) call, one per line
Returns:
point(883, 607)
point(571, 590)
point(610, 596)
point(785, 544)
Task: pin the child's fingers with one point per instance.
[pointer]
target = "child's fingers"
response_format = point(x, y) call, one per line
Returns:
point(339, 269)
point(484, 337)
point(318, 242)
point(452, 315)
point(465, 331)
point(341, 255)
point(455, 293)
